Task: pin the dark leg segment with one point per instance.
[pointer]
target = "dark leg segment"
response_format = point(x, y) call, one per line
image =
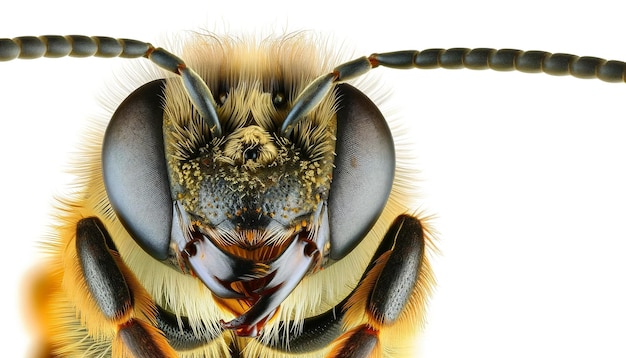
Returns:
point(405, 243)
point(136, 337)
point(181, 337)
point(104, 278)
point(361, 342)
point(118, 296)
point(317, 332)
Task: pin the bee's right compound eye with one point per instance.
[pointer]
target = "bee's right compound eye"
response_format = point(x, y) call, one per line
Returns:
point(135, 171)
point(364, 170)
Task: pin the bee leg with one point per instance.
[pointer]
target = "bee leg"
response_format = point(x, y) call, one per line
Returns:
point(116, 301)
point(381, 308)
point(181, 335)
point(391, 292)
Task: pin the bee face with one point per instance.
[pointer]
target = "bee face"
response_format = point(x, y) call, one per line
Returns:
point(239, 202)
point(252, 192)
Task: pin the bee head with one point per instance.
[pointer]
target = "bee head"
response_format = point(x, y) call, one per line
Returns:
point(252, 208)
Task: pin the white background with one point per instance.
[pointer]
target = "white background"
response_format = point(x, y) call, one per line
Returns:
point(524, 172)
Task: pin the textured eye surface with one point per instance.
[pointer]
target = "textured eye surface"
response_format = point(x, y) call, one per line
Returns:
point(365, 163)
point(134, 169)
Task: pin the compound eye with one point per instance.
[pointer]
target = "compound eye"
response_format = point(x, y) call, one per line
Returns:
point(364, 170)
point(135, 171)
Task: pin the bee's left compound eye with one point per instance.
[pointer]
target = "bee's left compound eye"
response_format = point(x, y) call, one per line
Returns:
point(364, 170)
point(135, 172)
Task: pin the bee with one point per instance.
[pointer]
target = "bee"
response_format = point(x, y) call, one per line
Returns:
point(246, 202)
